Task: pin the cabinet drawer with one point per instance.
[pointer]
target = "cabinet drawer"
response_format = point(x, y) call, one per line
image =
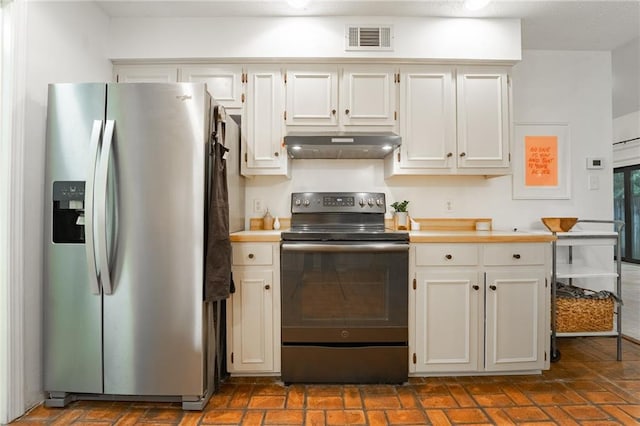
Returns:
point(446, 254)
point(514, 254)
point(252, 254)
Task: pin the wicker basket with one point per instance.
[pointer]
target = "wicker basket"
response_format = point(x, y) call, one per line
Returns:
point(576, 314)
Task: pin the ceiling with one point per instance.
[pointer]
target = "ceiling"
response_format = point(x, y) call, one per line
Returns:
point(546, 24)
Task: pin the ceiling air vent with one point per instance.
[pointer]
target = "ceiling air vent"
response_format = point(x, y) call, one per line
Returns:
point(369, 37)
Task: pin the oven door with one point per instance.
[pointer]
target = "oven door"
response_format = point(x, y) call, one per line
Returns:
point(344, 292)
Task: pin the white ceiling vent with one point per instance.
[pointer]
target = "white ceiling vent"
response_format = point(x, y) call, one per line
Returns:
point(369, 37)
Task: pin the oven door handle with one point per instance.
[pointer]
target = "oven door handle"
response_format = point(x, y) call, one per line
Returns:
point(346, 248)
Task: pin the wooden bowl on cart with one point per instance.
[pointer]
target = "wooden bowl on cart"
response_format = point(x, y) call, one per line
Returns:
point(559, 224)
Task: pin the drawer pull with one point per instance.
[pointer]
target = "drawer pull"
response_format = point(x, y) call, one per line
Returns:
point(251, 256)
point(267, 287)
point(476, 287)
point(493, 287)
point(448, 257)
point(516, 256)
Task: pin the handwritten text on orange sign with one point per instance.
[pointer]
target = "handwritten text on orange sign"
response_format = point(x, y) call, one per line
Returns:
point(541, 160)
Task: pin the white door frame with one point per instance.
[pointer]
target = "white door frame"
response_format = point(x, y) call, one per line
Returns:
point(12, 114)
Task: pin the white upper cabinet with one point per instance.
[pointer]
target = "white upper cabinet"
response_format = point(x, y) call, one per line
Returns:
point(368, 95)
point(263, 127)
point(453, 120)
point(224, 82)
point(312, 95)
point(341, 98)
point(145, 74)
point(427, 117)
point(483, 118)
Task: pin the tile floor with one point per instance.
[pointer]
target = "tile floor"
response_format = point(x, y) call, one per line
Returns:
point(586, 387)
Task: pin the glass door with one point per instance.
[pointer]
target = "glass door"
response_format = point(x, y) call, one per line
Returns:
point(626, 201)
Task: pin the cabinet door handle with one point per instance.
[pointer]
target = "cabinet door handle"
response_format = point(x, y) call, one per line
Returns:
point(333, 112)
point(449, 154)
point(276, 154)
point(516, 256)
point(346, 111)
point(448, 257)
point(462, 154)
point(493, 287)
point(476, 287)
point(251, 256)
point(267, 287)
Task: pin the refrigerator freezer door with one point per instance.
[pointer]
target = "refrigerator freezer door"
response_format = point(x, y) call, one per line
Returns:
point(154, 333)
point(72, 325)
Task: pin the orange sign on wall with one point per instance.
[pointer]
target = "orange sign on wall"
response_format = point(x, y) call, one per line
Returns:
point(541, 160)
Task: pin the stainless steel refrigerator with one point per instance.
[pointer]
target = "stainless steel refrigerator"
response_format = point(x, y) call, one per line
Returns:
point(127, 173)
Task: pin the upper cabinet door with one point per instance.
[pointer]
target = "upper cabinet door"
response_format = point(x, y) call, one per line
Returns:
point(263, 124)
point(368, 96)
point(483, 117)
point(427, 119)
point(224, 82)
point(312, 95)
point(145, 74)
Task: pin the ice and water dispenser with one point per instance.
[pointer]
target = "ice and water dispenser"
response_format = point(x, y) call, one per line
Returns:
point(68, 212)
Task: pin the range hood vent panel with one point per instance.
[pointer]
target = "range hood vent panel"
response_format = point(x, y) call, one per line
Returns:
point(341, 145)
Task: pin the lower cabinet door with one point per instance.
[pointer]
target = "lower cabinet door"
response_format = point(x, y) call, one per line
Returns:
point(515, 319)
point(447, 325)
point(250, 327)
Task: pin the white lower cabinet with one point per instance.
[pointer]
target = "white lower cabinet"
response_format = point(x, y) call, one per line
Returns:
point(253, 311)
point(479, 308)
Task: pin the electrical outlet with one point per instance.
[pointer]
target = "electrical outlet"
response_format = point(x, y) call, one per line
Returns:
point(448, 206)
point(258, 205)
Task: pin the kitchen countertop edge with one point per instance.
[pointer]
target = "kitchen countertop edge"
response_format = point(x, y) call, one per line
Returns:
point(424, 237)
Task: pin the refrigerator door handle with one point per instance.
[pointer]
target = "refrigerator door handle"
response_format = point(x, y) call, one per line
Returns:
point(90, 247)
point(101, 202)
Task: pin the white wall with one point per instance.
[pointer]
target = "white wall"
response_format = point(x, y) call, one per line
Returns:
point(309, 37)
point(548, 86)
point(625, 62)
point(66, 42)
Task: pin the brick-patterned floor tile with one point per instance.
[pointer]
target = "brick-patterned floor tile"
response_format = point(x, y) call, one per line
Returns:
point(345, 417)
point(560, 416)
point(315, 418)
point(267, 401)
point(378, 390)
point(566, 397)
point(162, 415)
point(431, 389)
point(408, 398)
point(466, 415)
point(325, 402)
point(516, 395)
point(618, 414)
point(603, 398)
point(526, 414)
point(406, 417)
point(131, 417)
point(461, 396)
point(377, 418)
point(377, 402)
point(494, 400)
point(239, 399)
point(295, 397)
point(438, 417)
point(498, 416)
point(220, 417)
point(438, 401)
point(67, 416)
point(632, 410)
point(253, 417)
point(586, 412)
point(192, 418)
point(352, 397)
point(324, 390)
point(270, 389)
point(284, 417)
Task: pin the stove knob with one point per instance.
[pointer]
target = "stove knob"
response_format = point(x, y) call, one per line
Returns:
point(379, 202)
point(361, 202)
point(371, 202)
point(297, 202)
point(306, 203)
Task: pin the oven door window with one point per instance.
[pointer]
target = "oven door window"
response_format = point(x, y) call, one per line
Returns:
point(344, 288)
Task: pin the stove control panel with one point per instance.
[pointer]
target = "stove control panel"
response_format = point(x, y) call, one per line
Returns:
point(338, 202)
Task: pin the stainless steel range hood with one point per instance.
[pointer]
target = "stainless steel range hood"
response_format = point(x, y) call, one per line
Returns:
point(341, 145)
